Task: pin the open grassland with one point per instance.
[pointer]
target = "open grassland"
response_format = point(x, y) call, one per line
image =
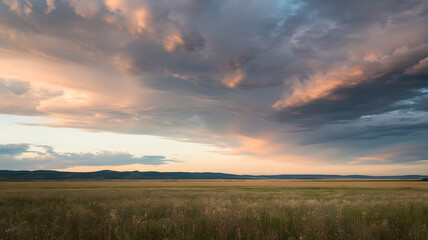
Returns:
point(214, 210)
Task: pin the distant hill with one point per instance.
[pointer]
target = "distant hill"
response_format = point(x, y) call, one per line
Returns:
point(8, 175)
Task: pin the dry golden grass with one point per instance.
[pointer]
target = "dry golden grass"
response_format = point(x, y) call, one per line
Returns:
point(389, 184)
point(214, 210)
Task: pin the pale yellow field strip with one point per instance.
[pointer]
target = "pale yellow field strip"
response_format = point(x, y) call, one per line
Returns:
point(219, 183)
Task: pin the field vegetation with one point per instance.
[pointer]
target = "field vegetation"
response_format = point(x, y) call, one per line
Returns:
point(214, 210)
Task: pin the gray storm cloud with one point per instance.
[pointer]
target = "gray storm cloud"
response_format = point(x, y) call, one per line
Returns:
point(300, 76)
point(29, 156)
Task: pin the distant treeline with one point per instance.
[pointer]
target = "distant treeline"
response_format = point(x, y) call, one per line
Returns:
point(9, 175)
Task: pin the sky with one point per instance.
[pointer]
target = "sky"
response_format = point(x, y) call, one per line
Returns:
point(235, 86)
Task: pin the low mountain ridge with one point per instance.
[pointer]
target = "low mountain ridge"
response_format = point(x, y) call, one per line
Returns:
point(39, 175)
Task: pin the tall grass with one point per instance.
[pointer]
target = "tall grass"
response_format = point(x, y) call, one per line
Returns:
point(214, 213)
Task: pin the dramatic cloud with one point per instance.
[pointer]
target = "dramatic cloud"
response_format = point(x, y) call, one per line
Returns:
point(299, 81)
point(27, 156)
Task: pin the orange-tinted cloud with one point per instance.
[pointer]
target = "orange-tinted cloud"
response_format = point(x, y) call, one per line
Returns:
point(321, 83)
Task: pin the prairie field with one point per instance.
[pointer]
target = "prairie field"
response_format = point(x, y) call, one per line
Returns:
point(252, 209)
